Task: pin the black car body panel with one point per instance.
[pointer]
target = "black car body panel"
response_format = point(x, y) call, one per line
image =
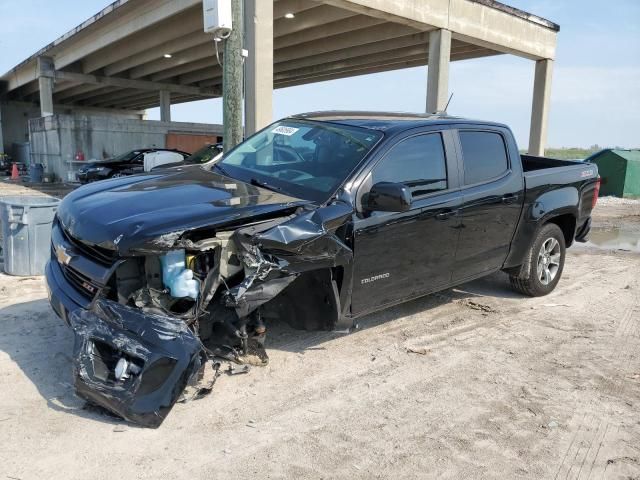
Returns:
point(258, 253)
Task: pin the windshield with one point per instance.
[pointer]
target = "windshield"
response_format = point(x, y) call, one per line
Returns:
point(125, 157)
point(305, 159)
point(205, 154)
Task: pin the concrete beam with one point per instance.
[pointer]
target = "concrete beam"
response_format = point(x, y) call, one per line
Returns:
point(438, 71)
point(181, 70)
point(406, 53)
point(499, 30)
point(171, 47)
point(285, 72)
point(540, 107)
point(128, 83)
point(322, 18)
point(98, 93)
point(134, 101)
point(282, 7)
point(416, 13)
point(184, 57)
point(79, 89)
point(468, 20)
point(350, 72)
point(320, 15)
point(110, 97)
point(323, 32)
point(104, 35)
point(21, 75)
point(165, 106)
point(144, 104)
point(344, 41)
point(259, 65)
point(358, 51)
point(207, 68)
point(356, 58)
point(359, 67)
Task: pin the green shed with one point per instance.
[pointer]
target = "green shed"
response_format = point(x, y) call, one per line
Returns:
point(619, 171)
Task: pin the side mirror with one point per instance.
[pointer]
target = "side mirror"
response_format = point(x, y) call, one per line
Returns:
point(388, 197)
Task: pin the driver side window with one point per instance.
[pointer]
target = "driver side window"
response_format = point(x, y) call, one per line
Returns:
point(417, 162)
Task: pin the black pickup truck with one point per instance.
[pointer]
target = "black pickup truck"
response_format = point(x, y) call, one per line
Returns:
point(317, 219)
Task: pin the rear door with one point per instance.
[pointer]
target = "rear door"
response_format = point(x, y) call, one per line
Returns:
point(492, 196)
point(399, 255)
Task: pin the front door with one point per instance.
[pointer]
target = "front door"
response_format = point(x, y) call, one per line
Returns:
point(399, 255)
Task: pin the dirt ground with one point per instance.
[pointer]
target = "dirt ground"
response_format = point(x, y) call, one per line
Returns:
point(474, 382)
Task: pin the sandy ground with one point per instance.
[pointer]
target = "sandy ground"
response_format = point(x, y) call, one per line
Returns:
point(501, 386)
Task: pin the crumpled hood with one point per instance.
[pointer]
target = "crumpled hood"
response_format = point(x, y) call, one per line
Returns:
point(128, 212)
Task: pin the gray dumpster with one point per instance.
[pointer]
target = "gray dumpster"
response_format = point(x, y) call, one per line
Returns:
point(26, 233)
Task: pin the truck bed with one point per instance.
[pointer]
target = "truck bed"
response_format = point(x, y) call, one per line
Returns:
point(531, 163)
point(542, 170)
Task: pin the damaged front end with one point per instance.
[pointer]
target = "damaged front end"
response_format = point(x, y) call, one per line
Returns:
point(187, 297)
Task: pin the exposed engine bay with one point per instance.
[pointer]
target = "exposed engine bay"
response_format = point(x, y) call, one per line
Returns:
point(190, 298)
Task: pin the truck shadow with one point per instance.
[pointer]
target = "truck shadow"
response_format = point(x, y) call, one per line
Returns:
point(282, 337)
point(41, 345)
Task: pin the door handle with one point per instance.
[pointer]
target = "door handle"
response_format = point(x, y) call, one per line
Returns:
point(509, 198)
point(446, 215)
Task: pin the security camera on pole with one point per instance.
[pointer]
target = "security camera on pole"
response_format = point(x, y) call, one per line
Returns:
point(224, 19)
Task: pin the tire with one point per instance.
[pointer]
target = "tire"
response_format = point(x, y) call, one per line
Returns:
point(543, 269)
point(117, 175)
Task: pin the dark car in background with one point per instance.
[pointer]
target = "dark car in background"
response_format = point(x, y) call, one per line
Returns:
point(128, 163)
point(204, 156)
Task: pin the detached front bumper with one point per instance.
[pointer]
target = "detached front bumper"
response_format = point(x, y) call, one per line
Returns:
point(135, 365)
point(131, 363)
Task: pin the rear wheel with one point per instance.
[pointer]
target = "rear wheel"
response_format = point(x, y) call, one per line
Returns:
point(542, 272)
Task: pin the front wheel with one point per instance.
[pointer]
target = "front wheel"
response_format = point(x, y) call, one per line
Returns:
point(540, 275)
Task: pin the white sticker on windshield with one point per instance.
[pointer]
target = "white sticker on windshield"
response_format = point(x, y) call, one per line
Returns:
point(282, 130)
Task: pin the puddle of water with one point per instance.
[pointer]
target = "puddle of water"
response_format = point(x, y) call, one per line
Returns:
point(615, 239)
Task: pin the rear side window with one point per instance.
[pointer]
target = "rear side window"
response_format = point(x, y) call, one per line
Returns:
point(417, 162)
point(485, 156)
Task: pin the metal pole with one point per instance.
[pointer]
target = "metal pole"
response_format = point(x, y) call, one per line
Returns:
point(232, 80)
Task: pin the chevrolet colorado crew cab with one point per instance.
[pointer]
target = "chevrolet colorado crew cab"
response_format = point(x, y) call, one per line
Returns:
point(317, 219)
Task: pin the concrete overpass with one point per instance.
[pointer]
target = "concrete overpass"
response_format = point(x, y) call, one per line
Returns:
point(138, 54)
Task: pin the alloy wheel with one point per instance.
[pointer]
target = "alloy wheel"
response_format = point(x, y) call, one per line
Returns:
point(548, 261)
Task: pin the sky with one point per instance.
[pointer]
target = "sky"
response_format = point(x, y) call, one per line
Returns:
point(595, 92)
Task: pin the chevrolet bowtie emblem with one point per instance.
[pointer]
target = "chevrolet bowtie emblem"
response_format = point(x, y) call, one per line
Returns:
point(62, 255)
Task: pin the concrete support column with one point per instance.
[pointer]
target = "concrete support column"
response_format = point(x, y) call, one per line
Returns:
point(1, 138)
point(165, 106)
point(540, 107)
point(438, 70)
point(259, 65)
point(46, 73)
